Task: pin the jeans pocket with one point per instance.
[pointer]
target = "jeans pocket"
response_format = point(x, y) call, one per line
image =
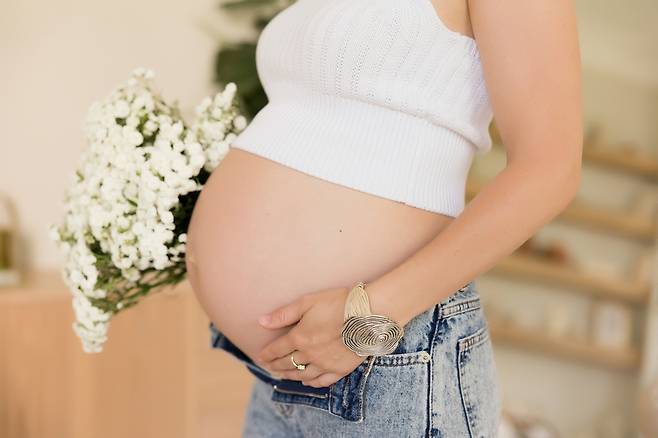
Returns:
point(478, 384)
point(385, 384)
point(397, 393)
point(386, 380)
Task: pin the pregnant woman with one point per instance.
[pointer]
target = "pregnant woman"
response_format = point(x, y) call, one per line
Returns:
point(350, 183)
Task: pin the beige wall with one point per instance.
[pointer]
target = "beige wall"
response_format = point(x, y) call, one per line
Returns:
point(59, 56)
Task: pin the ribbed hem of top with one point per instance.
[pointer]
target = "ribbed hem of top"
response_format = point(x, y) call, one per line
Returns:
point(366, 147)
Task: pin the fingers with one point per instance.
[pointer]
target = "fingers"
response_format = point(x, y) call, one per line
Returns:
point(278, 348)
point(285, 315)
point(322, 380)
point(309, 373)
point(285, 364)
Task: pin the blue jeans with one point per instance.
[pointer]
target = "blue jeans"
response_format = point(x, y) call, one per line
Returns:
point(439, 382)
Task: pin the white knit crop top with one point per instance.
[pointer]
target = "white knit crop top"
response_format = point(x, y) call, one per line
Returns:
point(377, 95)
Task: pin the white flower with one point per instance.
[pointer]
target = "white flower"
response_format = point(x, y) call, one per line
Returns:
point(141, 159)
point(121, 109)
point(203, 106)
point(240, 122)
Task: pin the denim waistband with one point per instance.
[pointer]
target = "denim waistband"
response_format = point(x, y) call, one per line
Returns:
point(416, 334)
point(220, 341)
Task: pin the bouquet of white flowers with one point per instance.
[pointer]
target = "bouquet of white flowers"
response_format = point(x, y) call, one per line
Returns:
point(131, 198)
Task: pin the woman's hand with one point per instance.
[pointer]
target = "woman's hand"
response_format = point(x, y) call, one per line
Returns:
point(315, 339)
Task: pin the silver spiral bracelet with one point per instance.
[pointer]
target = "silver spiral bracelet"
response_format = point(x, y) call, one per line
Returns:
point(365, 333)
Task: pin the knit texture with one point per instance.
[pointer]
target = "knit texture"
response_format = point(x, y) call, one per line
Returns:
point(376, 95)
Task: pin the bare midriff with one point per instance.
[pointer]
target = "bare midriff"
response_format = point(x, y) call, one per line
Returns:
point(262, 234)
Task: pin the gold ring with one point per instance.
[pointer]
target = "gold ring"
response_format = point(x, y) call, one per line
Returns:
point(299, 366)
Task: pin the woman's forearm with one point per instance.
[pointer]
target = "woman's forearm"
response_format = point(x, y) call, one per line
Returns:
point(505, 213)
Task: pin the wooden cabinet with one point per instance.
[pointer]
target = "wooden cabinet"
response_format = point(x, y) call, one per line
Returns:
point(157, 376)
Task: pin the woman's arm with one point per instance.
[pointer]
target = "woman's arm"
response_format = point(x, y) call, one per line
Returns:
point(529, 52)
point(531, 63)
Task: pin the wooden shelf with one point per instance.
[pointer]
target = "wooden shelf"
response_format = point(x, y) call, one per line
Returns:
point(642, 228)
point(641, 164)
point(524, 265)
point(589, 284)
point(618, 359)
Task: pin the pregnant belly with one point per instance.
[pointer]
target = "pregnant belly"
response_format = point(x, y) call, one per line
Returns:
point(262, 234)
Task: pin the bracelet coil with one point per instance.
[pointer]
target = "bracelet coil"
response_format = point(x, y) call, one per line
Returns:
point(365, 333)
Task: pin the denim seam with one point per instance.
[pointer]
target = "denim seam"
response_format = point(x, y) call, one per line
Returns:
point(401, 360)
point(474, 340)
point(436, 318)
point(346, 388)
point(360, 393)
point(456, 309)
point(362, 385)
point(464, 346)
point(465, 404)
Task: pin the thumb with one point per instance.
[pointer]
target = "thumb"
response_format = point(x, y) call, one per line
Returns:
point(285, 315)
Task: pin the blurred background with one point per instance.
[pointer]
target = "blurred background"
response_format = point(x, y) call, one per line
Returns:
point(573, 313)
